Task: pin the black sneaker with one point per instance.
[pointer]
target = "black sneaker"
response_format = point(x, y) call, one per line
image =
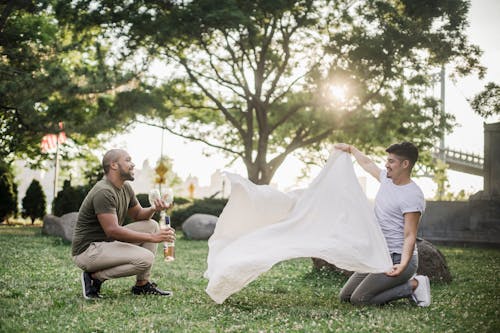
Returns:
point(150, 288)
point(90, 288)
point(96, 283)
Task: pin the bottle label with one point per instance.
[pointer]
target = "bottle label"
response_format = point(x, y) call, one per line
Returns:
point(167, 220)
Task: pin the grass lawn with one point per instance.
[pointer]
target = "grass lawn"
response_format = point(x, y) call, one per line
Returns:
point(40, 291)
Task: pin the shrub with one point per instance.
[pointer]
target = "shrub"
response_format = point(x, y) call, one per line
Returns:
point(34, 203)
point(179, 201)
point(210, 206)
point(8, 193)
point(69, 199)
point(143, 199)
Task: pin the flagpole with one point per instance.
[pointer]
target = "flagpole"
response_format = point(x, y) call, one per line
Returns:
point(56, 170)
point(161, 156)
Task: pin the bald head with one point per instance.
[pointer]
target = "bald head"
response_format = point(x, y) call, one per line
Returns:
point(111, 156)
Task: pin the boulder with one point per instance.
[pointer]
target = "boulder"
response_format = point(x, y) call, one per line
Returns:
point(199, 226)
point(323, 264)
point(431, 262)
point(60, 226)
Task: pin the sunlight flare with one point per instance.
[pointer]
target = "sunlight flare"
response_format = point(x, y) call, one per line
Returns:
point(338, 92)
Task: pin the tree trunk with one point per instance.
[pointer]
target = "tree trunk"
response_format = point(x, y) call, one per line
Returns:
point(260, 174)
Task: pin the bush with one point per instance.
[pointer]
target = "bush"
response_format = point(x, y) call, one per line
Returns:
point(8, 193)
point(69, 199)
point(179, 201)
point(143, 199)
point(34, 203)
point(210, 206)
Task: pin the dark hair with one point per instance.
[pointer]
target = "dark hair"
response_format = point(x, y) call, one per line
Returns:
point(406, 150)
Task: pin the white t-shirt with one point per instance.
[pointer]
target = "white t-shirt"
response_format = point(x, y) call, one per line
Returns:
point(391, 203)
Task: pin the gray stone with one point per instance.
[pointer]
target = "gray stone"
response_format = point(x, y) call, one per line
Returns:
point(199, 226)
point(60, 226)
point(323, 264)
point(431, 262)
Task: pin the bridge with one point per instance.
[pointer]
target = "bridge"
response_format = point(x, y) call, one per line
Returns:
point(456, 160)
point(461, 161)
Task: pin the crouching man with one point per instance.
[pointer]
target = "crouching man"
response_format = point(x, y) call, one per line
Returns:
point(105, 249)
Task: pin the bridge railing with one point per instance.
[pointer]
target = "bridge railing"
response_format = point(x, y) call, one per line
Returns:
point(461, 161)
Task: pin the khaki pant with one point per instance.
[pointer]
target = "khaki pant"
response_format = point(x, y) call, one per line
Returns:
point(111, 260)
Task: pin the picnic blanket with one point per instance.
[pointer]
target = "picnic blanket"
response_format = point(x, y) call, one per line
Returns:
point(261, 226)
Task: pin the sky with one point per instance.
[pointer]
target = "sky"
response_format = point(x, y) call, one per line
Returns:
point(144, 142)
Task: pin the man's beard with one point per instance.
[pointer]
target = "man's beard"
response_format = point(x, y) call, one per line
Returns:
point(387, 174)
point(125, 175)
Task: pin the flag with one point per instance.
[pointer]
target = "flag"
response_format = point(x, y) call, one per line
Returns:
point(50, 141)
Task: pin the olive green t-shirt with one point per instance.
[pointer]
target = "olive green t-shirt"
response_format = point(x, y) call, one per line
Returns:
point(104, 197)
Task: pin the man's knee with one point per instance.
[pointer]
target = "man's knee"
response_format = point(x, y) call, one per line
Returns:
point(148, 226)
point(344, 296)
point(152, 226)
point(144, 260)
point(359, 299)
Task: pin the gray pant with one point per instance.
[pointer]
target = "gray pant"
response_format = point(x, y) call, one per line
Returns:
point(378, 289)
point(111, 260)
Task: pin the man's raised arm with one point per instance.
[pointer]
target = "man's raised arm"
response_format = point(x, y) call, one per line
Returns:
point(364, 161)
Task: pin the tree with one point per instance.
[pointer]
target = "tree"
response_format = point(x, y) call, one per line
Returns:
point(53, 71)
point(262, 79)
point(69, 199)
point(34, 202)
point(8, 193)
point(487, 102)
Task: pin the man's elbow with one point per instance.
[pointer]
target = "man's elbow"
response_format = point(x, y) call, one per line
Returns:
point(113, 232)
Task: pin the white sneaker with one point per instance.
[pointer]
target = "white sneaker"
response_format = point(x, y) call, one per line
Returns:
point(422, 294)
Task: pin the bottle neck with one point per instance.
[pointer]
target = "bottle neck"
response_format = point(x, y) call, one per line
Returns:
point(163, 219)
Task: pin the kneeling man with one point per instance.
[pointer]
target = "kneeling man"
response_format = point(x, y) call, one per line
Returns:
point(399, 205)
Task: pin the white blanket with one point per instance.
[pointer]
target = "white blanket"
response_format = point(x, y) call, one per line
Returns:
point(259, 227)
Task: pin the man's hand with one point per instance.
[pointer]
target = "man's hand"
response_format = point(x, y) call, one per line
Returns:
point(164, 235)
point(343, 146)
point(160, 205)
point(396, 270)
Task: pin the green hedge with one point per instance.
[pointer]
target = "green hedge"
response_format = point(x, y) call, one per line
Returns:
point(210, 206)
point(69, 199)
point(8, 192)
point(143, 198)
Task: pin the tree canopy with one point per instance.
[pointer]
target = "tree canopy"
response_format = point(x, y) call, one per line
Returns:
point(487, 102)
point(261, 79)
point(55, 71)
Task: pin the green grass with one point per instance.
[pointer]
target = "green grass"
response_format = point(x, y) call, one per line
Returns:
point(40, 291)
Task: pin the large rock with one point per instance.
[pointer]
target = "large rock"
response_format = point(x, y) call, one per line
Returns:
point(199, 226)
point(60, 226)
point(431, 262)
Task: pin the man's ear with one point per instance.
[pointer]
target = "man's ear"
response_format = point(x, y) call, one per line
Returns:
point(113, 165)
point(405, 164)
